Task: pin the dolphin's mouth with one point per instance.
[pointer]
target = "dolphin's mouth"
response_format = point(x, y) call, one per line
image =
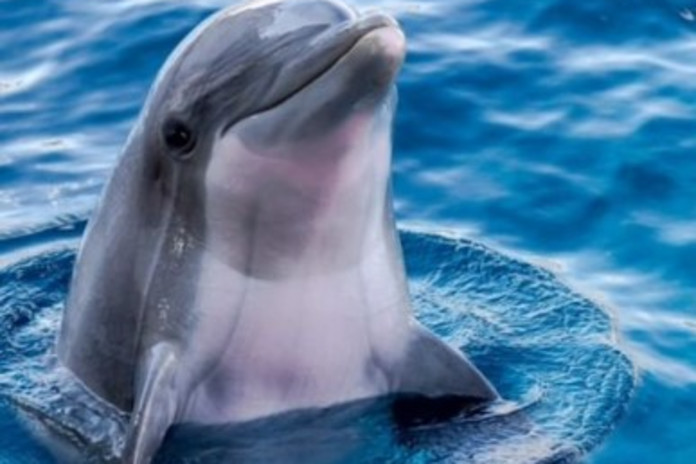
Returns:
point(336, 42)
point(321, 53)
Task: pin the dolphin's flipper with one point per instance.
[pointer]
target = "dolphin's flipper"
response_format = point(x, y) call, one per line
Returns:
point(434, 369)
point(155, 406)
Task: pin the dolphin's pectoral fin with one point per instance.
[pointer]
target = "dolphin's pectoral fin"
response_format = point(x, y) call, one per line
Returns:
point(155, 406)
point(434, 369)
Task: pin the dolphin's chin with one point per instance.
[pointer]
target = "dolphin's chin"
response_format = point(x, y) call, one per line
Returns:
point(386, 47)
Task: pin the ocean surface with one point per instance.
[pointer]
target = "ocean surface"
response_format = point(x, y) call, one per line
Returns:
point(544, 178)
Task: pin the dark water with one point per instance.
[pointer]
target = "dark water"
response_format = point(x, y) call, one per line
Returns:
point(558, 132)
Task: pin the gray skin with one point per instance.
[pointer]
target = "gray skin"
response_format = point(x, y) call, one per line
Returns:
point(256, 269)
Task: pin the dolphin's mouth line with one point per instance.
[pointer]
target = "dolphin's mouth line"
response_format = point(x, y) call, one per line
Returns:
point(341, 40)
point(361, 28)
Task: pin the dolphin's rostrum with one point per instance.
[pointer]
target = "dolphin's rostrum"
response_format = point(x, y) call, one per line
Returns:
point(244, 260)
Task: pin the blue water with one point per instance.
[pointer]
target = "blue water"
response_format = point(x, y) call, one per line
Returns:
point(557, 133)
point(550, 351)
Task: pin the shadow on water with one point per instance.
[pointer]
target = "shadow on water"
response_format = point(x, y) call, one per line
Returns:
point(549, 350)
point(394, 430)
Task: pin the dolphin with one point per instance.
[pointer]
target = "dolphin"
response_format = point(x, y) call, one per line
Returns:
point(243, 260)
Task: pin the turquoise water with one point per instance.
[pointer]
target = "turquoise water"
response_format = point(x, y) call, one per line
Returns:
point(557, 133)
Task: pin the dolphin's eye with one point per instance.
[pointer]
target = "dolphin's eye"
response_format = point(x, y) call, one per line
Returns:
point(178, 137)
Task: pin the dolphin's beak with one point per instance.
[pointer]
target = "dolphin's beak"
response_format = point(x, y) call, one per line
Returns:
point(323, 52)
point(302, 41)
point(353, 68)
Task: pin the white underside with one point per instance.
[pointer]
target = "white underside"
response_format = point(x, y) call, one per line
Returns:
point(290, 345)
point(316, 330)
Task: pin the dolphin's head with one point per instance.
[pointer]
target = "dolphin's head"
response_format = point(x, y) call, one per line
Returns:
point(300, 67)
point(277, 111)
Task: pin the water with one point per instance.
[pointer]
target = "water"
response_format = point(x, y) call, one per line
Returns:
point(564, 389)
point(561, 133)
